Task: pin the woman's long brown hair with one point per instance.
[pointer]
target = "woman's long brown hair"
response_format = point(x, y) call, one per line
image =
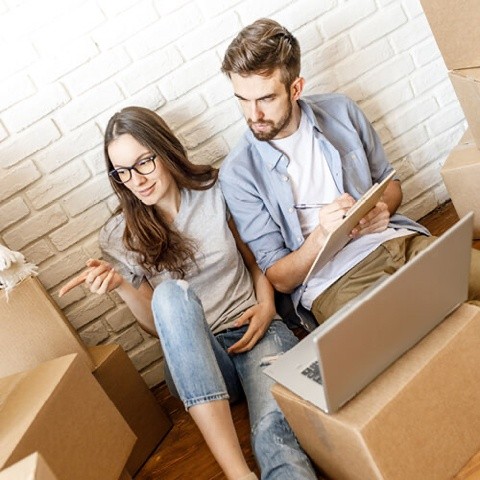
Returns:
point(159, 246)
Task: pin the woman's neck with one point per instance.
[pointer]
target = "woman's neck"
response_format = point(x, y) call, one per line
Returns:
point(169, 206)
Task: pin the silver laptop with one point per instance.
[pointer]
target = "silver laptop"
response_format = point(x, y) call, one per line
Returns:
point(340, 357)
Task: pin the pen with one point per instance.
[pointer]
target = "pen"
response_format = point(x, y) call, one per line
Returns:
point(305, 206)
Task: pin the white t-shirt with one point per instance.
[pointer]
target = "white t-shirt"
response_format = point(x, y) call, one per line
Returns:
point(311, 179)
point(312, 182)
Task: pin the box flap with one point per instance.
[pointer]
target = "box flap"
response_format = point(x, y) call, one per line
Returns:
point(461, 156)
point(22, 398)
point(34, 329)
point(77, 430)
point(466, 74)
point(33, 467)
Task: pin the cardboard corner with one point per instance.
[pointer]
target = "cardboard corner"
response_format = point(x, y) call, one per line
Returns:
point(128, 391)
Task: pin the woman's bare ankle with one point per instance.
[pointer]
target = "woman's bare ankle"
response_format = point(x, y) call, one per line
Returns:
point(250, 476)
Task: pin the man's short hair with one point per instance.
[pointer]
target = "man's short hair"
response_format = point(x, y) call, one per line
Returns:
point(262, 47)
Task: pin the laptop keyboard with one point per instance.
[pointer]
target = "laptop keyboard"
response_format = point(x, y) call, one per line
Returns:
point(313, 372)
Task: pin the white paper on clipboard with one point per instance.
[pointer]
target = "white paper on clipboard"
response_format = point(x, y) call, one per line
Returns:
point(337, 239)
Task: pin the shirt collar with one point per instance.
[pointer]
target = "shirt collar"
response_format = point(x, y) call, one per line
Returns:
point(307, 110)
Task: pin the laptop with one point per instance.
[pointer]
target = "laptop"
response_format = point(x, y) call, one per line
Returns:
point(343, 355)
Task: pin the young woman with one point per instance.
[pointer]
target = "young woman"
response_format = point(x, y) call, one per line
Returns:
point(172, 253)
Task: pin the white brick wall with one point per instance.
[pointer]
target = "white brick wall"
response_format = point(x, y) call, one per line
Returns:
point(68, 65)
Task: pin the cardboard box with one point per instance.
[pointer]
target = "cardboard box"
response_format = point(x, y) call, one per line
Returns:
point(128, 391)
point(34, 329)
point(124, 476)
point(60, 410)
point(454, 25)
point(467, 87)
point(419, 420)
point(461, 175)
point(33, 467)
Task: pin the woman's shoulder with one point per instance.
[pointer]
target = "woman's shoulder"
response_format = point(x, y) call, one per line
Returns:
point(112, 232)
point(212, 194)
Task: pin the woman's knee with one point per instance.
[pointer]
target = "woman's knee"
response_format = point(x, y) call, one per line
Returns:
point(173, 294)
point(169, 290)
point(174, 303)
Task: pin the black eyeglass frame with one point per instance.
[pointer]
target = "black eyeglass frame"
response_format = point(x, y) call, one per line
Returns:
point(114, 173)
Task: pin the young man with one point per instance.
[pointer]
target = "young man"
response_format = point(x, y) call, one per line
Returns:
point(299, 168)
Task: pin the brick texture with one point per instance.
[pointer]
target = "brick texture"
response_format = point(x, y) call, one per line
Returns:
point(68, 66)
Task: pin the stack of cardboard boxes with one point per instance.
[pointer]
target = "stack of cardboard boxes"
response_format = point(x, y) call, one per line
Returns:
point(455, 27)
point(67, 411)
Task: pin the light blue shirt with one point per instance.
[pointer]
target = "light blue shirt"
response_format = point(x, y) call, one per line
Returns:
point(256, 184)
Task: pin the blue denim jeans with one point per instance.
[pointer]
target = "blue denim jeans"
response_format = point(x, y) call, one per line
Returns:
point(203, 371)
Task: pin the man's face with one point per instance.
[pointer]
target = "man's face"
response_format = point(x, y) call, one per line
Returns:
point(266, 104)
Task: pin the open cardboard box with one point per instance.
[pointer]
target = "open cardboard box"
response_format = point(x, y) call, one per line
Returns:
point(419, 420)
point(60, 410)
point(128, 391)
point(467, 87)
point(34, 329)
point(455, 27)
point(461, 175)
point(33, 467)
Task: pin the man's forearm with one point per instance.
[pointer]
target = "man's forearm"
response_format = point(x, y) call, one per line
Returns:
point(393, 196)
point(290, 271)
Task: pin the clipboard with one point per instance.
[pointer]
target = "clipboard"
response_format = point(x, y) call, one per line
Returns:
point(337, 239)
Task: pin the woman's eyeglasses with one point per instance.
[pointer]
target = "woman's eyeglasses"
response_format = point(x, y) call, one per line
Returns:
point(143, 167)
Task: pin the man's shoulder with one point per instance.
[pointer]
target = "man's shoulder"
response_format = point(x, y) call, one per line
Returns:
point(329, 102)
point(241, 153)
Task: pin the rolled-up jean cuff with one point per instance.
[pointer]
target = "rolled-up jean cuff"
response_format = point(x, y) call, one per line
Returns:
point(192, 402)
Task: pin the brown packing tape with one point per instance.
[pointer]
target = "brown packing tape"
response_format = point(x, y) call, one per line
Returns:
point(34, 329)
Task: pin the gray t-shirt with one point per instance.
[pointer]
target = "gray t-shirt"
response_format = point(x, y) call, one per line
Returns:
point(220, 278)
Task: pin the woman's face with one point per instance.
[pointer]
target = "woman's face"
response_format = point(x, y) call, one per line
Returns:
point(155, 188)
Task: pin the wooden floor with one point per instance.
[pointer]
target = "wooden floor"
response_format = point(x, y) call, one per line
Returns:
point(183, 454)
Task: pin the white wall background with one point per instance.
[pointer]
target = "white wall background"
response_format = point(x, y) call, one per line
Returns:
point(67, 65)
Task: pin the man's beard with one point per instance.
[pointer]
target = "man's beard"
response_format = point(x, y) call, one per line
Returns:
point(276, 128)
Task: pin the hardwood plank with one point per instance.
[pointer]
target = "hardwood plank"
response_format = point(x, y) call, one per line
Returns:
point(183, 454)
